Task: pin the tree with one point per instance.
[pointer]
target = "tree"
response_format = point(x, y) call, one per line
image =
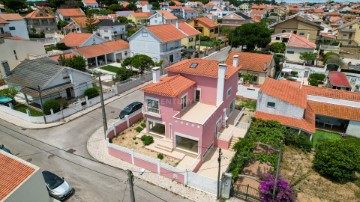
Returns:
point(15, 5)
point(109, 2)
point(248, 78)
point(283, 192)
point(62, 24)
point(308, 57)
point(76, 62)
point(328, 54)
point(132, 7)
point(51, 104)
point(122, 19)
point(10, 92)
point(123, 73)
point(172, 3)
point(250, 35)
point(91, 24)
point(141, 62)
point(55, 3)
point(155, 5)
point(277, 47)
point(115, 7)
point(338, 159)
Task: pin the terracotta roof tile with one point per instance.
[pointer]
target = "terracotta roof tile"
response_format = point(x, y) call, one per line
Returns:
point(205, 67)
point(141, 15)
point(186, 8)
point(143, 3)
point(251, 61)
point(117, 45)
point(166, 32)
point(67, 55)
point(125, 4)
point(338, 79)
point(331, 93)
point(93, 50)
point(337, 111)
point(71, 12)
point(12, 174)
point(90, 1)
point(317, 10)
point(207, 22)
point(178, 3)
point(75, 39)
point(39, 14)
point(81, 21)
point(169, 86)
point(167, 15)
point(297, 41)
point(11, 16)
point(2, 21)
point(287, 91)
point(188, 29)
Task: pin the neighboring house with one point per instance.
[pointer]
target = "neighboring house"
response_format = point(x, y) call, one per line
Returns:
point(111, 30)
point(257, 15)
point(235, 19)
point(261, 66)
point(338, 80)
point(2, 8)
point(144, 6)
point(301, 107)
point(298, 25)
point(188, 13)
point(14, 51)
point(79, 25)
point(218, 11)
point(139, 18)
point(75, 40)
point(66, 14)
point(297, 45)
point(349, 34)
point(190, 107)
point(160, 42)
point(206, 26)
point(162, 17)
point(55, 81)
point(190, 41)
point(21, 180)
point(40, 21)
point(13, 24)
point(90, 3)
point(104, 53)
point(124, 13)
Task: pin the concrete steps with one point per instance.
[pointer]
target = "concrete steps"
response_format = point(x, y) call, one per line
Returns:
point(234, 140)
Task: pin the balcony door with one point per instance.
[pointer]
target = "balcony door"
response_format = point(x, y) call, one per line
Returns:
point(197, 95)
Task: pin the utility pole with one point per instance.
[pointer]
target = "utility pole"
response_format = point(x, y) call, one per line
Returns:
point(277, 170)
point(131, 184)
point(41, 104)
point(218, 179)
point(103, 107)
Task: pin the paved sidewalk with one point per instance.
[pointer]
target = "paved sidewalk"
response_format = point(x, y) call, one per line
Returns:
point(97, 149)
point(28, 125)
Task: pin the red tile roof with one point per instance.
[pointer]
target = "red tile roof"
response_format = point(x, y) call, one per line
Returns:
point(188, 29)
point(178, 3)
point(333, 14)
point(90, 2)
point(205, 67)
point(102, 49)
point(317, 10)
point(117, 45)
point(143, 3)
point(75, 39)
point(207, 22)
point(67, 55)
point(2, 21)
point(338, 79)
point(257, 6)
point(167, 15)
point(82, 21)
point(337, 111)
point(39, 14)
point(170, 86)
point(166, 32)
point(12, 174)
point(285, 90)
point(331, 93)
point(141, 14)
point(125, 4)
point(306, 125)
point(71, 12)
point(11, 16)
point(297, 41)
point(251, 61)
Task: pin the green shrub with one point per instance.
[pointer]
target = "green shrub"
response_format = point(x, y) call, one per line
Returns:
point(147, 139)
point(139, 129)
point(51, 104)
point(337, 159)
point(317, 76)
point(143, 125)
point(91, 92)
point(134, 138)
point(300, 141)
point(160, 156)
point(313, 82)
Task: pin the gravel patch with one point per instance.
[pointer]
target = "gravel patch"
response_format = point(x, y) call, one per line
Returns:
point(97, 148)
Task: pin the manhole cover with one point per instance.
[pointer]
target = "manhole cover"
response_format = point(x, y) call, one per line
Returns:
point(71, 151)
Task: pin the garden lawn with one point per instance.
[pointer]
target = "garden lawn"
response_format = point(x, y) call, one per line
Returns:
point(22, 108)
point(111, 68)
point(323, 135)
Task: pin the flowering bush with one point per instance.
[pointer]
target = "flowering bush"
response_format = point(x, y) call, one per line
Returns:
point(284, 191)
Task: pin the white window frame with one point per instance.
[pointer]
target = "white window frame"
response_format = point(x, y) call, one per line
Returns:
point(188, 137)
point(153, 99)
point(186, 101)
point(228, 92)
point(197, 89)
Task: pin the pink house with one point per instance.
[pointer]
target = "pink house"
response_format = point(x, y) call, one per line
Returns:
point(190, 107)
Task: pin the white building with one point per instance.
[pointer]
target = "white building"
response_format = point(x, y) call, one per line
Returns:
point(162, 17)
point(219, 12)
point(13, 24)
point(160, 42)
point(74, 39)
point(21, 180)
point(13, 52)
point(297, 45)
point(111, 30)
point(188, 13)
point(90, 3)
point(144, 6)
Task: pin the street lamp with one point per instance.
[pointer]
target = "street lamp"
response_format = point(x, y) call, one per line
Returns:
point(278, 164)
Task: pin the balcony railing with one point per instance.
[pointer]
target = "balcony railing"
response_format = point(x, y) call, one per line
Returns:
point(348, 30)
point(151, 111)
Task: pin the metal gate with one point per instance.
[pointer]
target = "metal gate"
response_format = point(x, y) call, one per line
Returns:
point(245, 192)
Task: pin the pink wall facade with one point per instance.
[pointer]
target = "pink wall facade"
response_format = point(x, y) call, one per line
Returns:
point(145, 164)
point(119, 154)
point(223, 144)
point(172, 175)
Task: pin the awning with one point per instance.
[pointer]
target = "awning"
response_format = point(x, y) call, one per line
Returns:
point(45, 92)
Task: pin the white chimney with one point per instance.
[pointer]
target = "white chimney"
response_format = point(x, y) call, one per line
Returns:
point(220, 84)
point(156, 74)
point(236, 60)
point(177, 25)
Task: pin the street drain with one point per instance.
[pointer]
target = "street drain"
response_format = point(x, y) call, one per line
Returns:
point(71, 151)
point(29, 160)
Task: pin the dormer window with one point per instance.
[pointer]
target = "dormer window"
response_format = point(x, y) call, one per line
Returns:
point(194, 65)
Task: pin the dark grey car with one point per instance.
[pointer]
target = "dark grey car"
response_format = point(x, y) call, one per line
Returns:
point(131, 108)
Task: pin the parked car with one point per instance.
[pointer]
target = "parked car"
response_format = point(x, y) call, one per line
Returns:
point(57, 187)
point(131, 108)
point(2, 147)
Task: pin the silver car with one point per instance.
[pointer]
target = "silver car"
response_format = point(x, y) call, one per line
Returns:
point(57, 187)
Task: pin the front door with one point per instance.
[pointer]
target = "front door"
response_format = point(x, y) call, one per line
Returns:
point(218, 122)
point(197, 95)
point(68, 93)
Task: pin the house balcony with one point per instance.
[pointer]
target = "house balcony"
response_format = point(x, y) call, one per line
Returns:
point(171, 50)
point(197, 113)
point(151, 111)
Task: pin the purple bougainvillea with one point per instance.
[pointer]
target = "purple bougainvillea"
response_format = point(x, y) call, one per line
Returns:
point(284, 191)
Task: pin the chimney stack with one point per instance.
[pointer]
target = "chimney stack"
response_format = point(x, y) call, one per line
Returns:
point(220, 84)
point(177, 25)
point(156, 74)
point(236, 60)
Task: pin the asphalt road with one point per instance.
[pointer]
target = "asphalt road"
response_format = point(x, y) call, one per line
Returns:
point(62, 150)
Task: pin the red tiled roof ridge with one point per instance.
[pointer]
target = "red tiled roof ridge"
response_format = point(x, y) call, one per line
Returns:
point(331, 93)
point(303, 40)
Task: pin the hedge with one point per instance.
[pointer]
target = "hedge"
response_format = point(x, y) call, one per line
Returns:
point(91, 92)
point(51, 104)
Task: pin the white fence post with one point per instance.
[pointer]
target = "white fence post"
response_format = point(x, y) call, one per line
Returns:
point(28, 112)
point(52, 111)
point(127, 120)
point(87, 101)
point(158, 166)
point(132, 157)
point(11, 105)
